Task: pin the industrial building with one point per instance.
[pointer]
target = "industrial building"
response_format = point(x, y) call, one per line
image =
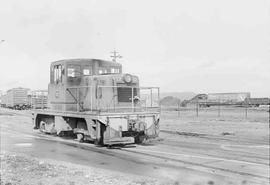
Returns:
point(198, 100)
point(228, 98)
point(206, 100)
point(257, 101)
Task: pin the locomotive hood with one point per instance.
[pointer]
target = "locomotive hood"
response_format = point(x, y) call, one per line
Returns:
point(125, 78)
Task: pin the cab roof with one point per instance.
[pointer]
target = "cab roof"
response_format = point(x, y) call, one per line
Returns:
point(85, 61)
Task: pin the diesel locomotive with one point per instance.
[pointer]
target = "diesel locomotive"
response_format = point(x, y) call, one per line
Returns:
point(92, 100)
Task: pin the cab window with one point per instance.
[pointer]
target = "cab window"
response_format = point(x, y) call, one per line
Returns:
point(73, 71)
point(102, 71)
point(87, 70)
point(115, 70)
point(108, 70)
point(57, 71)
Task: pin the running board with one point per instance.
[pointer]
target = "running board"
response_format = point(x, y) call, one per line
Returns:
point(119, 140)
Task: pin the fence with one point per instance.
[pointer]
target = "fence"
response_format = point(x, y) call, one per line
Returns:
point(38, 99)
point(218, 111)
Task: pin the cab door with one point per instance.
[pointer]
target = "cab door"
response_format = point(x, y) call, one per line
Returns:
point(56, 88)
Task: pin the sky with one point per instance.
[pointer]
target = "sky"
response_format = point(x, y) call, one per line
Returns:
point(181, 46)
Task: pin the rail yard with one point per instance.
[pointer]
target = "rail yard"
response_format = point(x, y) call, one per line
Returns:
point(97, 125)
point(134, 92)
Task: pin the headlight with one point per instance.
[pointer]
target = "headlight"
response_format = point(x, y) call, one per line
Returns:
point(127, 78)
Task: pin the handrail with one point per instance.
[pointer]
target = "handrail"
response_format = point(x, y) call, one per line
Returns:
point(147, 102)
point(77, 101)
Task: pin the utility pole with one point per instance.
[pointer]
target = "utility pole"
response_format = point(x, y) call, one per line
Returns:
point(218, 107)
point(247, 104)
point(197, 107)
point(178, 107)
point(269, 111)
point(115, 55)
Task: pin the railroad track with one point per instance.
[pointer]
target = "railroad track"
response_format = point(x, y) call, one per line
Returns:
point(122, 152)
point(212, 137)
point(127, 154)
point(205, 166)
point(258, 179)
point(231, 153)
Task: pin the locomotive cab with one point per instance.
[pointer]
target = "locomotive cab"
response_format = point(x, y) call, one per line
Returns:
point(94, 100)
point(76, 73)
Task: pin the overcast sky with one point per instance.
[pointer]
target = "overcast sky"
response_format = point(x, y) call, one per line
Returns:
point(192, 45)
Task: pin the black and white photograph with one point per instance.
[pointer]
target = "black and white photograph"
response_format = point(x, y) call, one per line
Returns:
point(134, 92)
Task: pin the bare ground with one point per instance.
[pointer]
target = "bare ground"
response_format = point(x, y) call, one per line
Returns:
point(228, 139)
point(232, 123)
point(23, 169)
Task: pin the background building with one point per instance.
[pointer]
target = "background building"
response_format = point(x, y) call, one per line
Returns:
point(230, 98)
point(198, 100)
point(257, 101)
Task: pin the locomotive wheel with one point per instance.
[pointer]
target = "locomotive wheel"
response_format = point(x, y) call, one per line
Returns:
point(61, 134)
point(139, 139)
point(99, 141)
point(42, 126)
point(80, 137)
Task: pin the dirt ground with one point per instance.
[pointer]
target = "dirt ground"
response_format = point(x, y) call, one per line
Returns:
point(204, 150)
point(232, 123)
point(23, 169)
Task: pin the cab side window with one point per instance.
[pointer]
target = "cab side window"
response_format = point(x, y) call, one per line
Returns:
point(115, 70)
point(74, 71)
point(87, 70)
point(57, 71)
point(102, 70)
